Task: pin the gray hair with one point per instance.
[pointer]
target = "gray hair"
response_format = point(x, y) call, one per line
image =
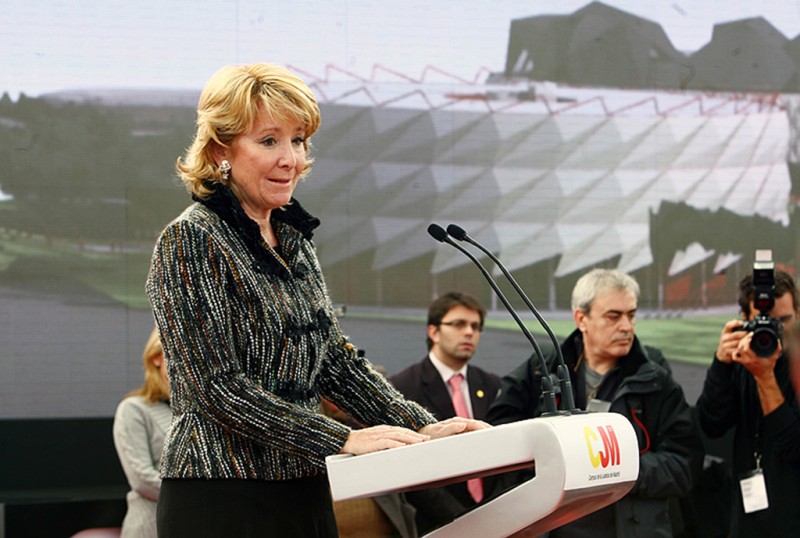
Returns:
point(598, 280)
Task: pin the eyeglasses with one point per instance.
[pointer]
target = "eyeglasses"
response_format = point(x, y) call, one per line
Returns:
point(461, 324)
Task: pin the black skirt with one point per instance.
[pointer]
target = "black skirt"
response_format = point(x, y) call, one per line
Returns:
point(200, 508)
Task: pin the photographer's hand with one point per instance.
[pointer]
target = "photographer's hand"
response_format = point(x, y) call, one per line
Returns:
point(729, 340)
point(763, 371)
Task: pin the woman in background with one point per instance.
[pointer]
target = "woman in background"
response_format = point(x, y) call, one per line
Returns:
point(140, 426)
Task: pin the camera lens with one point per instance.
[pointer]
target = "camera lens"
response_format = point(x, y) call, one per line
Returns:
point(765, 341)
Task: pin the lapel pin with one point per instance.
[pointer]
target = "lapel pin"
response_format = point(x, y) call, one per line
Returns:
point(479, 393)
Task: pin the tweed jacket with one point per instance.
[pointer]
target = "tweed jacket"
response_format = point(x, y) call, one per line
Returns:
point(251, 343)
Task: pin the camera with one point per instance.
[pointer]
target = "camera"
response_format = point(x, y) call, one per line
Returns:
point(766, 330)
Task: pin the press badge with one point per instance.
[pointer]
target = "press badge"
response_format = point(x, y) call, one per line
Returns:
point(754, 491)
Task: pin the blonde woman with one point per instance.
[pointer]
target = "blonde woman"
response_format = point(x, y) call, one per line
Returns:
point(140, 425)
point(249, 332)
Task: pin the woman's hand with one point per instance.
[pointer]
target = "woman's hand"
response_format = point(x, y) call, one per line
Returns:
point(380, 438)
point(453, 426)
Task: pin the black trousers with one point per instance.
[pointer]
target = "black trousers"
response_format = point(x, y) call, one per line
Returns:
point(200, 508)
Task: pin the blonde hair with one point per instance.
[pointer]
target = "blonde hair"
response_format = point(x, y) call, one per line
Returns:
point(154, 388)
point(597, 280)
point(228, 106)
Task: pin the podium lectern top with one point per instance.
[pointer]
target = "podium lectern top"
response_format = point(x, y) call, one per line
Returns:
point(583, 463)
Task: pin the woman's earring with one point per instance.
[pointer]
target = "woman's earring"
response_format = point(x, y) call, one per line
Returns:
point(225, 168)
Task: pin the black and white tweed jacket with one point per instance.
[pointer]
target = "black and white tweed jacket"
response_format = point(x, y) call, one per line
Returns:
point(251, 344)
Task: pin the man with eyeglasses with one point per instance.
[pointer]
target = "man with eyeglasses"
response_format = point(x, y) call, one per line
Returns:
point(612, 371)
point(447, 385)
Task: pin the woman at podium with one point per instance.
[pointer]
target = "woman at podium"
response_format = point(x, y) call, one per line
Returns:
point(249, 333)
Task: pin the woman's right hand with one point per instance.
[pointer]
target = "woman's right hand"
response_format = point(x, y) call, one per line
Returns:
point(378, 438)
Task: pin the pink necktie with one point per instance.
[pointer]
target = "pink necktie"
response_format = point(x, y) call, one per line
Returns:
point(475, 485)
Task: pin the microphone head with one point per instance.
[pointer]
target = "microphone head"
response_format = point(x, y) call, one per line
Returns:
point(437, 232)
point(457, 231)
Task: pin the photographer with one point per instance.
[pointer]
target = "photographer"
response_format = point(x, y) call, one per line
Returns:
point(751, 392)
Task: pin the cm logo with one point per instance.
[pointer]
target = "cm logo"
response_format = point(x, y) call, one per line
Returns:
point(602, 445)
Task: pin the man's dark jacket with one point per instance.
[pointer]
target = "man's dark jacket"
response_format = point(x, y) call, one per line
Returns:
point(640, 385)
point(423, 384)
point(730, 400)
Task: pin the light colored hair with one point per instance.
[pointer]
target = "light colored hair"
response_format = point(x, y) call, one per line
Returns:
point(599, 280)
point(228, 106)
point(154, 388)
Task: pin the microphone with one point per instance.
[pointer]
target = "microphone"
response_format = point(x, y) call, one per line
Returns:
point(438, 233)
point(562, 371)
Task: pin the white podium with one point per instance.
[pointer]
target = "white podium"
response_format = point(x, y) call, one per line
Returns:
point(583, 463)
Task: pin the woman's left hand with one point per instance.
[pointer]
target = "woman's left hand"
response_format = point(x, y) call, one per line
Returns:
point(452, 426)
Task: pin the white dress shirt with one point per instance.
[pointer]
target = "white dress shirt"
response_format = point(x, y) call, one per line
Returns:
point(446, 372)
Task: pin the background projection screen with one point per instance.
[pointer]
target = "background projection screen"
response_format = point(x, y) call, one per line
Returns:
point(656, 137)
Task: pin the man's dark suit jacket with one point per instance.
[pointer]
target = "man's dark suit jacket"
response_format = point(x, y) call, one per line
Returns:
point(422, 383)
